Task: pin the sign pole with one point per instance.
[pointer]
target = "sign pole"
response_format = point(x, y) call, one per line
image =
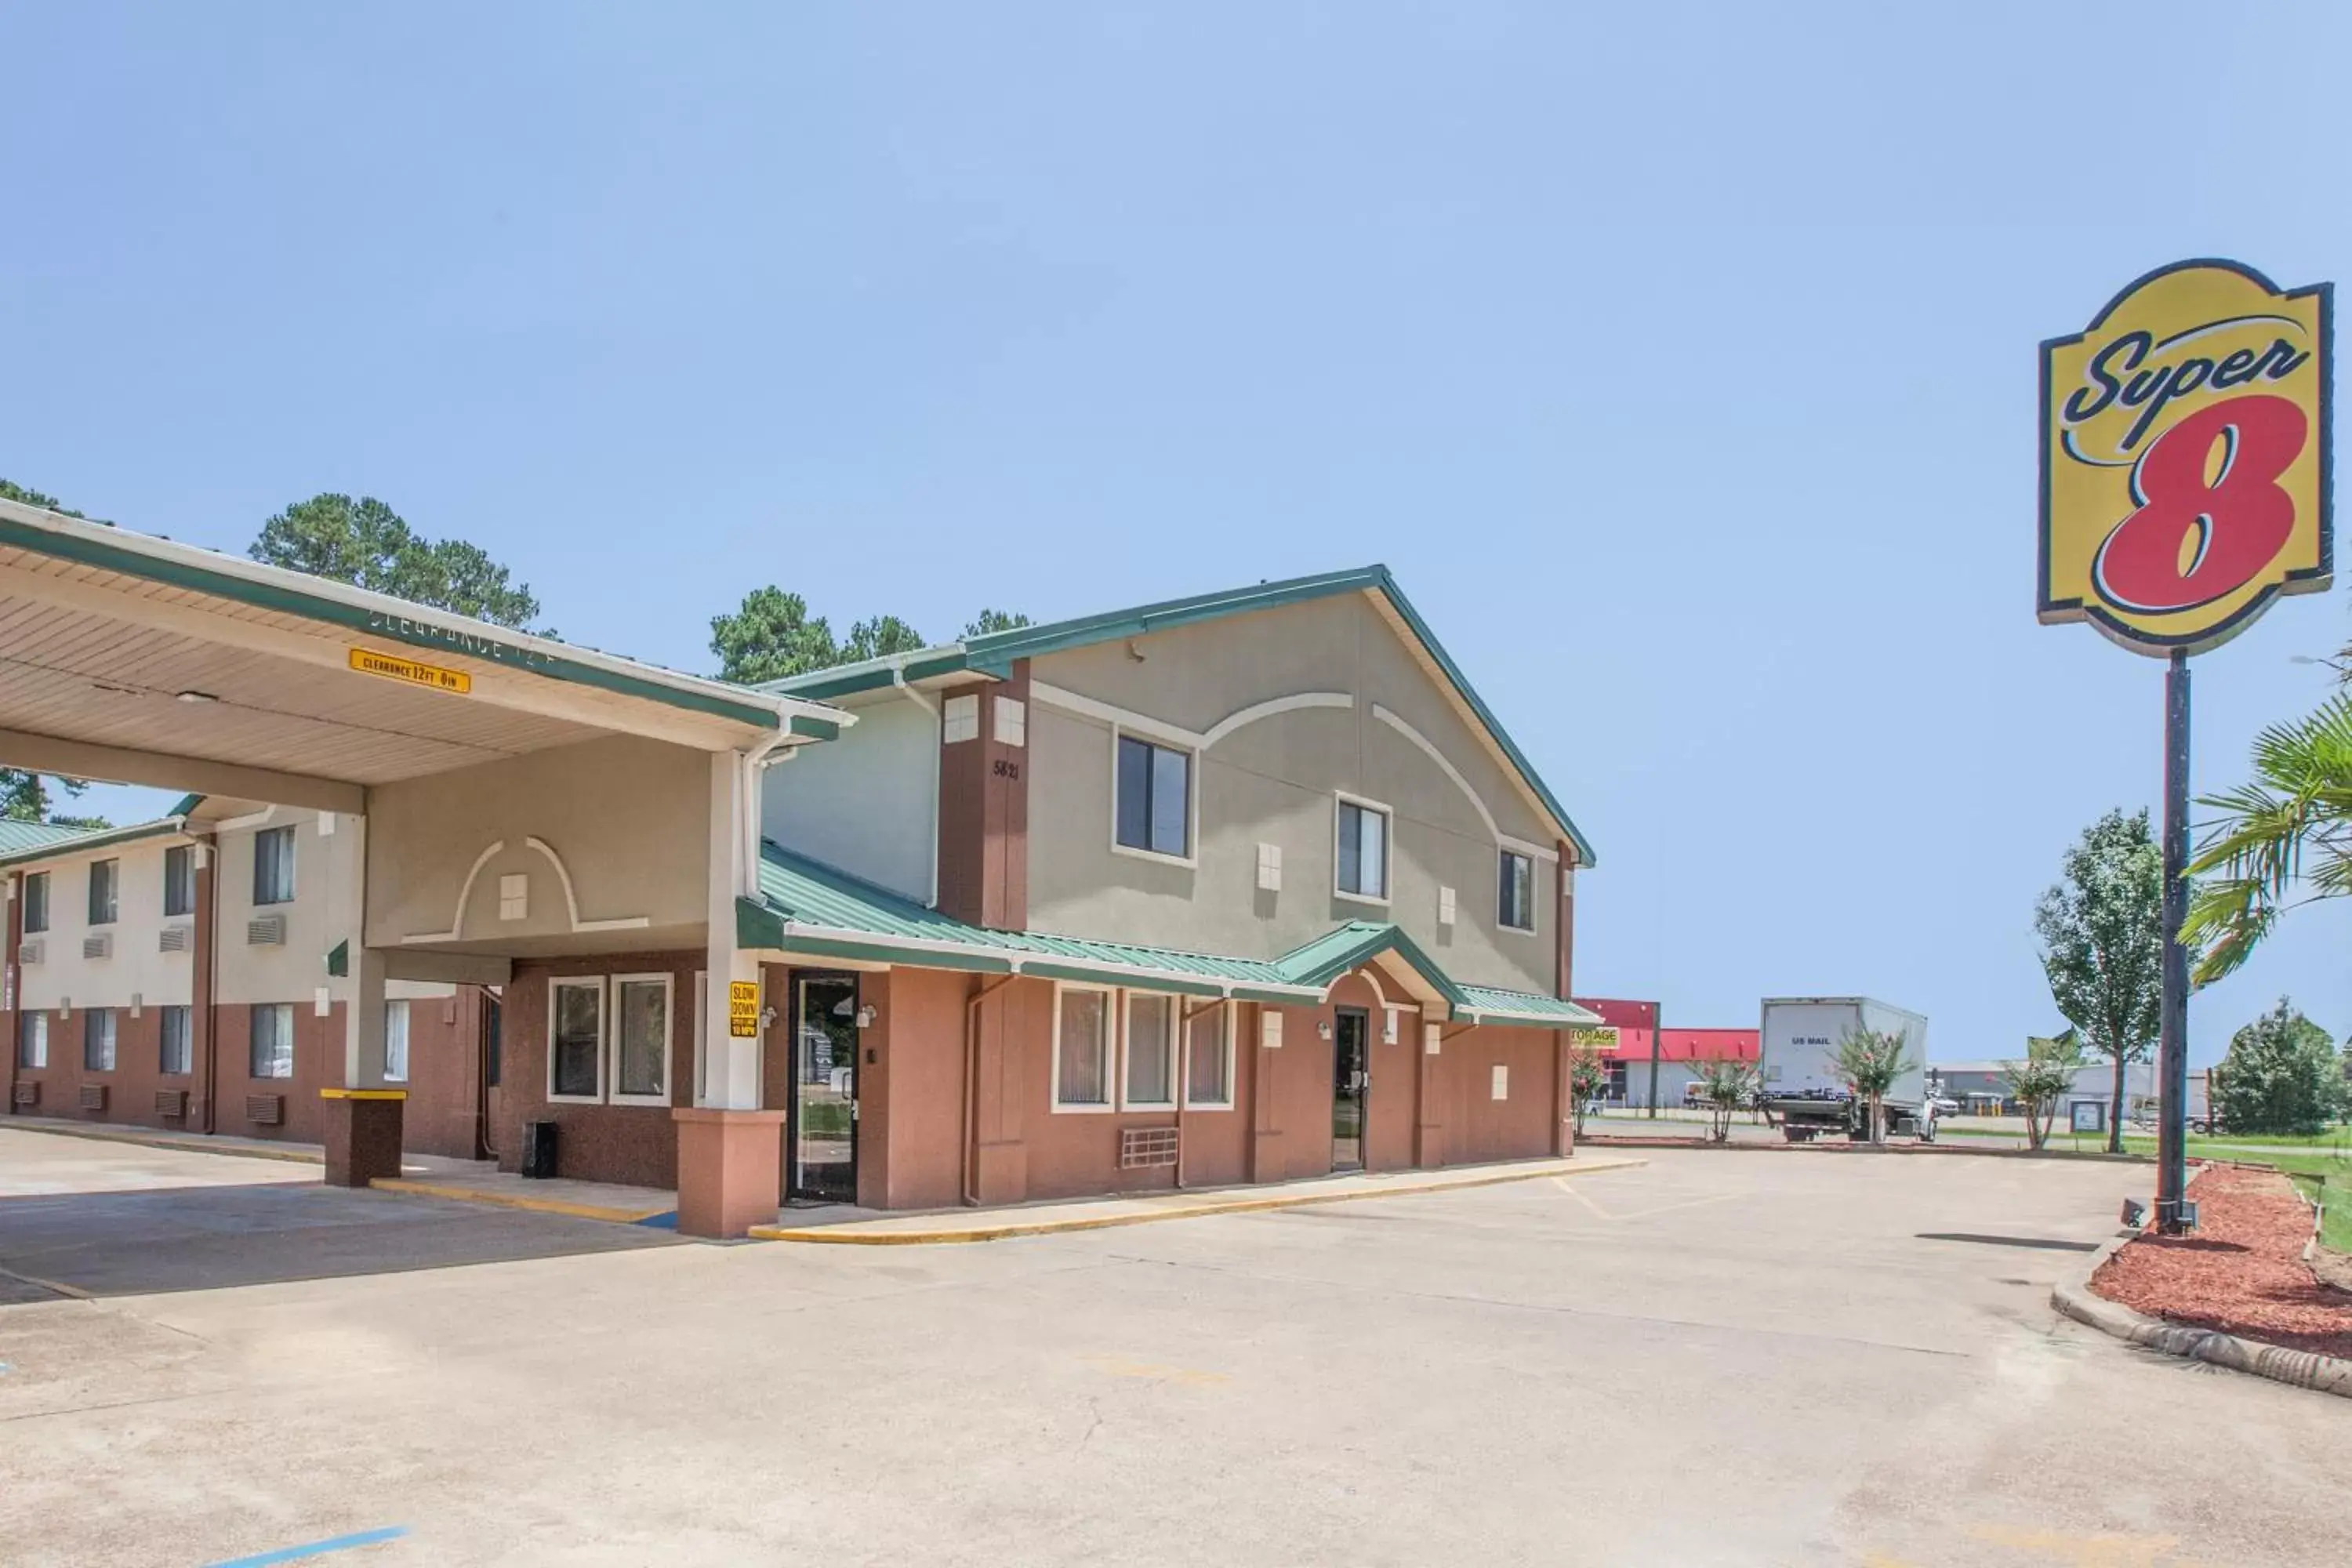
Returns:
point(2172, 1049)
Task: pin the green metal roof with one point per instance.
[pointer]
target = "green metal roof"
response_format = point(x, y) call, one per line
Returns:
point(73, 841)
point(995, 654)
point(16, 836)
point(805, 906)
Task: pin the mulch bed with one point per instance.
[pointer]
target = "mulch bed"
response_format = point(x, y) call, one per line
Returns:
point(2241, 1272)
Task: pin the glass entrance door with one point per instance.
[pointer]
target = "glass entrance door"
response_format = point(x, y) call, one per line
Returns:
point(824, 1088)
point(1351, 1081)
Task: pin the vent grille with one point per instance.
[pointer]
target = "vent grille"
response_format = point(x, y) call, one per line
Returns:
point(174, 939)
point(172, 1102)
point(1142, 1148)
point(265, 1109)
point(28, 953)
point(98, 945)
point(93, 1097)
point(266, 931)
point(28, 1092)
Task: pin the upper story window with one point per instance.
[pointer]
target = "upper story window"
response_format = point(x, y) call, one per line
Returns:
point(105, 880)
point(1155, 798)
point(37, 901)
point(179, 880)
point(273, 866)
point(1514, 903)
point(1363, 849)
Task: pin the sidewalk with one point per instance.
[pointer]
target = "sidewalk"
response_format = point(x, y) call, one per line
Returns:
point(1098, 1214)
point(164, 1138)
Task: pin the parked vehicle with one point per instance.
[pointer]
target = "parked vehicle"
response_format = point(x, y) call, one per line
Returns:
point(1803, 1091)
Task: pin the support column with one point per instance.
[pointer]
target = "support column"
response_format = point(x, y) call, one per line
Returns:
point(730, 1149)
point(361, 1117)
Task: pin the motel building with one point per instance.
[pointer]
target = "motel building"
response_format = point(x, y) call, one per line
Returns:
point(1238, 888)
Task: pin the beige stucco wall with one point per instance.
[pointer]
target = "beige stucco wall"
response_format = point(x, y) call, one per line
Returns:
point(863, 802)
point(1273, 781)
point(136, 967)
point(319, 916)
point(624, 817)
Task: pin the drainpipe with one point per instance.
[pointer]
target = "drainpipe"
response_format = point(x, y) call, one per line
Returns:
point(1184, 1076)
point(207, 914)
point(968, 1173)
point(899, 680)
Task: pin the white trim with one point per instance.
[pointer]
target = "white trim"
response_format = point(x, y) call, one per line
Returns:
point(456, 931)
point(465, 891)
point(1110, 1045)
point(556, 982)
point(1222, 1013)
point(668, 984)
point(256, 819)
point(1191, 859)
point(1493, 829)
point(1176, 734)
point(1171, 1043)
point(1272, 706)
point(1535, 904)
point(1388, 849)
point(701, 1046)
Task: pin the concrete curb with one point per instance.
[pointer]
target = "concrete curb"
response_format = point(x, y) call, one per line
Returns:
point(847, 1234)
point(2298, 1369)
point(516, 1201)
point(185, 1142)
point(1609, 1141)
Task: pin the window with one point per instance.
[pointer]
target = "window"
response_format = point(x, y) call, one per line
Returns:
point(37, 901)
point(1515, 907)
point(105, 877)
point(575, 1053)
point(395, 1041)
point(32, 1039)
point(1150, 1050)
point(1363, 849)
point(1082, 1049)
point(273, 866)
point(641, 1039)
point(1155, 798)
point(959, 719)
point(97, 1040)
point(179, 880)
point(1209, 1061)
point(273, 1040)
point(177, 1054)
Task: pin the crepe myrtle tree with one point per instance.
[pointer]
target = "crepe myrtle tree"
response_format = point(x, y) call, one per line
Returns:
point(2041, 1079)
point(1726, 1087)
point(1869, 1061)
point(2102, 932)
point(1588, 1078)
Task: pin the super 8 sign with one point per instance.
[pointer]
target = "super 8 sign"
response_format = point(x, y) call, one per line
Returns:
point(2185, 457)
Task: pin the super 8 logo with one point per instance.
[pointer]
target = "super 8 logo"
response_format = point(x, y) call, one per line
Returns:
point(2185, 456)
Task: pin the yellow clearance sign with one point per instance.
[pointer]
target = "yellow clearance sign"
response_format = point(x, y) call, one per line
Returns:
point(392, 666)
point(2185, 457)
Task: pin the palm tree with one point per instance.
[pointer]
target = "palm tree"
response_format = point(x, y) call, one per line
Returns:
point(1870, 1061)
point(2292, 825)
point(2042, 1080)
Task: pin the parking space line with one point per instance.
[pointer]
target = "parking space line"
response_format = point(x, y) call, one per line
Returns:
point(317, 1548)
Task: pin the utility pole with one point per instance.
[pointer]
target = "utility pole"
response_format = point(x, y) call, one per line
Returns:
point(1657, 1032)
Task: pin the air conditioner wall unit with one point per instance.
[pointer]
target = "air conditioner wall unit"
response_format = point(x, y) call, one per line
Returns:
point(266, 931)
point(98, 945)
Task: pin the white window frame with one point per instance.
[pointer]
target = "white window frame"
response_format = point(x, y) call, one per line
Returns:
point(397, 1007)
point(1535, 904)
point(1191, 859)
point(39, 1054)
point(187, 1016)
point(1126, 1001)
point(1388, 849)
point(292, 840)
point(701, 1046)
point(1222, 1015)
point(555, 984)
point(112, 1019)
point(612, 1084)
point(48, 910)
point(1111, 1016)
point(255, 1012)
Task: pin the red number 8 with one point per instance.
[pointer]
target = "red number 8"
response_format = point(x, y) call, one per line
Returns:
point(2239, 522)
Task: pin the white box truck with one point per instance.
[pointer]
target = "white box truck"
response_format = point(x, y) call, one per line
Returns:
point(1801, 1087)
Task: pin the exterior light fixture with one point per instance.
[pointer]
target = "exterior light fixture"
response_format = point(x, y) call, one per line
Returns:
point(197, 697)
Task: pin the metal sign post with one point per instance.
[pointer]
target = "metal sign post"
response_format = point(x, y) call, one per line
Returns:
point(2172, 1039)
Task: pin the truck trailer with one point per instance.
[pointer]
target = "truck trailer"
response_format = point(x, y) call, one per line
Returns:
point(1802, 1090)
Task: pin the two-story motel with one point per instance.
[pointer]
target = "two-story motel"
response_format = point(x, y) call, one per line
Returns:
point(1234, 888)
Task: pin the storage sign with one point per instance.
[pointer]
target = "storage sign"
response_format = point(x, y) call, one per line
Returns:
point(1601, 1040)
point(743, 1009)
point(392, 666)
point(2185, 457)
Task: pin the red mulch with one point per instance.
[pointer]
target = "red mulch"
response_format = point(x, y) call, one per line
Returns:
point(2241, 1272)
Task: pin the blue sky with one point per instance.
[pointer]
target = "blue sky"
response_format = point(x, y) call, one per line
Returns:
point(1680, 360)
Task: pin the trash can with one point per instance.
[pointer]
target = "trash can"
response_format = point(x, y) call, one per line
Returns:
point(539, 1150)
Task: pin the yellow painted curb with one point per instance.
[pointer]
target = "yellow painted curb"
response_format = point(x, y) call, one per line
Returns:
point(847, 1234)
point(187, 1145)
point(514, 1201)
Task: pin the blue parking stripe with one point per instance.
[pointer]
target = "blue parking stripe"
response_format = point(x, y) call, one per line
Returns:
point(317, 1548)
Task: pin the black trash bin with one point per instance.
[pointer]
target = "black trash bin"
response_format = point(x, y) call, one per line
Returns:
point(539, 1150)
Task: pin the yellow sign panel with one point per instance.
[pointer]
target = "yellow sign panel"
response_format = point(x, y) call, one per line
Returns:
point(2185, 457)
point(367, 661)
point(744, 1008)
point(1602, 1039)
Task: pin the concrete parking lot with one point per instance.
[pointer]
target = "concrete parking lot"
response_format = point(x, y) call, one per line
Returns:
point(1723, 1357)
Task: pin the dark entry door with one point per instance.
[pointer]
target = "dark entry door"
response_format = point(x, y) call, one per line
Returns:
point(1350, 1083)
point(825, 1088)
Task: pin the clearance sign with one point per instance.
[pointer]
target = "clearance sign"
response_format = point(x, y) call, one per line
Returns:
point(2185, 457)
